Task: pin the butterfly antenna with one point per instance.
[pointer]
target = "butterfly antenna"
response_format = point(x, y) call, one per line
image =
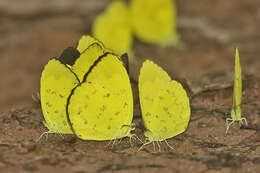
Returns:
point(144, 145)
point(229, 124)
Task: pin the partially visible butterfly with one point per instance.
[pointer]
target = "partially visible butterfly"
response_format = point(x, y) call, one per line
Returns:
point(154, 21)
point(113, 27)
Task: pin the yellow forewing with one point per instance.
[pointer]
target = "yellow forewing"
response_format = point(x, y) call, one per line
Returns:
point(87, 59)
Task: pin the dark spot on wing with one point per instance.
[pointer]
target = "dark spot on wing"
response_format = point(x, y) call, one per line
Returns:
point(48, 104)
point(165, 109)
point(125, 104)
point(160, 97)
point(69, 56)
point(107, 95)
point(148, 98)
point(48, 90)
point(94, 92)
point(148, 114)
point(103, 108)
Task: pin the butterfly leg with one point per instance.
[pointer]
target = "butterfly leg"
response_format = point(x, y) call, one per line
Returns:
point(135, 137)
point(158, 144)
point(43, 134)
point(168, 144)
point(229, 124)
point(241, 121)
point(114, 143)
point(131, 136)
point(153, 147)
point(119, 141)
point(144, 145)
point(61, 135)
point(109, 143)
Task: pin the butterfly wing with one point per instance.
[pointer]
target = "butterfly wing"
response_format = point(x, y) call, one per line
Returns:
point(87, 59)
point(154, 21)
point(85, 41)
point(57, 81)
point(113, 28)
point(237, 91)
point(164, 103)
point(101, 108)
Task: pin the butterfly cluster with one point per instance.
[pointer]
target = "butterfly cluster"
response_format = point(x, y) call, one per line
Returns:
point(87, 92)
point(150, 21)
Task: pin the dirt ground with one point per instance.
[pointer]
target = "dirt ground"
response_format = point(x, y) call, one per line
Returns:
point(31, 32)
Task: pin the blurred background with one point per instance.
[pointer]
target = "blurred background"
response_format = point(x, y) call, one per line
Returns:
point(32, 31)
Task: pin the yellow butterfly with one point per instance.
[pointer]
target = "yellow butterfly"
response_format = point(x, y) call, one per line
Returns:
point(154, 21)
point(164, 104)
point(113, 28)
point(101, 107)
point(236, 112)
point(60, 76)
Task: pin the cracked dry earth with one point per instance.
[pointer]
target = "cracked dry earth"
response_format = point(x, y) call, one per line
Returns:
point(31, 33)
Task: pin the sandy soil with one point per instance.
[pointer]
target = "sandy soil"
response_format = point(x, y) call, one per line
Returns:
point(32, 32)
